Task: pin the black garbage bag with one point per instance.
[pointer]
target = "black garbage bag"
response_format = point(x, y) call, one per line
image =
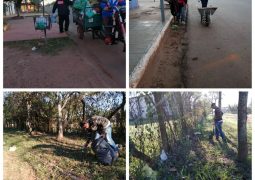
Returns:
point(104, 151)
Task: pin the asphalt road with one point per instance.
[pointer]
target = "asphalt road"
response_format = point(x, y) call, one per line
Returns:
point(219, 56)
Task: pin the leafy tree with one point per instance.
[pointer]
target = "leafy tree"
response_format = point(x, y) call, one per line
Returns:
point(60, 112)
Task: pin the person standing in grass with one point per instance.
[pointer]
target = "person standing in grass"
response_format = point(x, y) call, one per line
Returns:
point(97, 126)
point(218, 122)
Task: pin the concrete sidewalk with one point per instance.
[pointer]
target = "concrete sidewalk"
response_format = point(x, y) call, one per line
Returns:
point(23, 29)
point(145, 26)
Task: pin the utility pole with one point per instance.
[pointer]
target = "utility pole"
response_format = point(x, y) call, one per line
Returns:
point(45, 30)
point(220, 94)
point(162, 10)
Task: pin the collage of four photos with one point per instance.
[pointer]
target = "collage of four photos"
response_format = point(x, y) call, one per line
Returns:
point(118, 89)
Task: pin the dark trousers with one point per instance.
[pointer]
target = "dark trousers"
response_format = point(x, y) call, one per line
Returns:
point(108, 23)
point(204, 3)
point(218, 130)
point(63, 18)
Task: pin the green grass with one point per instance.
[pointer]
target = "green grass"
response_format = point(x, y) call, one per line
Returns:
point(51, 159)
point(52, 47)
point(193, 159)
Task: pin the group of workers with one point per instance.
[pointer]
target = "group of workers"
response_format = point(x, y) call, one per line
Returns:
point(107, 11)
point(179, 9)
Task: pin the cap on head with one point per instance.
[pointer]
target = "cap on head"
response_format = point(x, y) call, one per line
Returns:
point(213, 105)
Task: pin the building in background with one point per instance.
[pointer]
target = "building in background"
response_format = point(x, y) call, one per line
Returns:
point(140, 108)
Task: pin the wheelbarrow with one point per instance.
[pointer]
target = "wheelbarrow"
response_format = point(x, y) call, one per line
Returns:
point(205, 13)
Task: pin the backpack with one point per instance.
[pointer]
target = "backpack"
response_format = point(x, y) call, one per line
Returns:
point(104, 151)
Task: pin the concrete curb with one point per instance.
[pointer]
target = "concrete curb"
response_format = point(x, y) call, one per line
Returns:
point(140, 68)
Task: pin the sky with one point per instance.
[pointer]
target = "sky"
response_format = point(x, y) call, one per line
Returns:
point(231, 98)
point(48, 1)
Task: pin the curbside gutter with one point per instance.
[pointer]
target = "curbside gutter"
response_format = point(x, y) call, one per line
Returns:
point(141, 67)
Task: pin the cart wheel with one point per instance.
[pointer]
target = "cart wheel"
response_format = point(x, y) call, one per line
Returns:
point(101, 34)
point(80, 31)
point(93, 34)
point(45, 35)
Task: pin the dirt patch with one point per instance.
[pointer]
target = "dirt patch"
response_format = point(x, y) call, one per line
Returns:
point(166, 69)
point(14, 168)
point(76, 65)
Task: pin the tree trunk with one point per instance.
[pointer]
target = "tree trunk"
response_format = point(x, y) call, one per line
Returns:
point(162, 126)
point(242, 129)
point(28, 121)
point(220, 100)
point(83, 109)
point(181, 110)
point(119, 107)
point(60, 123)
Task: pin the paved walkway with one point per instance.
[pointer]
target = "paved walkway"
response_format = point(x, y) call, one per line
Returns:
point(145, 26)
point(23, 29)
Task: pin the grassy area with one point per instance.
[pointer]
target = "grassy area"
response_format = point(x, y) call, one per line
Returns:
point(193, 157)
point(51, 159)
point(52, 47)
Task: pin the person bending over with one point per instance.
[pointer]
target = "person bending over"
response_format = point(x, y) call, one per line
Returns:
point(99, 126)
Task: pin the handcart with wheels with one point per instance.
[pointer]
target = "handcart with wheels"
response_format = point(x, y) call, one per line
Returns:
point(87, 23)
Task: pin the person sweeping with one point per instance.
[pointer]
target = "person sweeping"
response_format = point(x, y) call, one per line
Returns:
point(218, 122)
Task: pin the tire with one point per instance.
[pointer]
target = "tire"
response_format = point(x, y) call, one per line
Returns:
point(93, 34)
point(207, 20)
point(80, 32)
point(101, 34)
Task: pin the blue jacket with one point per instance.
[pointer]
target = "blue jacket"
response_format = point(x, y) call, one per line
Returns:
point(108, 4)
